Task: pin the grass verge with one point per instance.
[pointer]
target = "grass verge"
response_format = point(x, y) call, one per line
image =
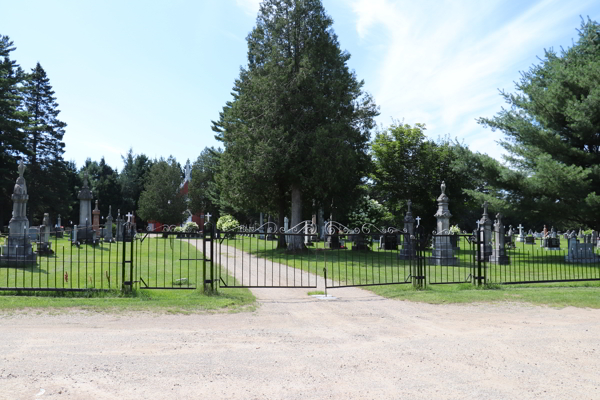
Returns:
point(584, 295)
point(141, 300)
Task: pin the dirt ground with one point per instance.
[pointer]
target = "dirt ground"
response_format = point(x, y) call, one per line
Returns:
point(354, 346)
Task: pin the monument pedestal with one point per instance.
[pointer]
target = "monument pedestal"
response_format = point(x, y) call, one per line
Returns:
point(442, 253)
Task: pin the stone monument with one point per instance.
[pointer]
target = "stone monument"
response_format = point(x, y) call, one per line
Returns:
point(521, 237)
point(85, 233)
point(44, 243)
point(580, 252)
point(485, 225)
point(96, 220)
point(442, 253)
point(499, 253)
point(108, 233)
point(17, 247)
point(408, 251)
point(119, 235)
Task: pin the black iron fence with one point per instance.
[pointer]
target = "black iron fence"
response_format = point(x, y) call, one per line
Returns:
point(94, 259)
point(62, 260)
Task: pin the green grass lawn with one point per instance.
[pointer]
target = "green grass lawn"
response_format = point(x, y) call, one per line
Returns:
point(140, 300)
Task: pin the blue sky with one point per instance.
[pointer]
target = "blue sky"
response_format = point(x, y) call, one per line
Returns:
point(151, 75)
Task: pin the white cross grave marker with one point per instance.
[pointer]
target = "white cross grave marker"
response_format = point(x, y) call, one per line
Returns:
point(418, 221)
point(208, 217)
point(129, 215)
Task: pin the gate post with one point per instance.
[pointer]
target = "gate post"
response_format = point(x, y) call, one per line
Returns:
point(480, 278)
point(208, 285)
point(127, 285)
point(418, 273)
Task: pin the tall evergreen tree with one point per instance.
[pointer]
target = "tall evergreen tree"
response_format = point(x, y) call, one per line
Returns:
point(136, 168)
point(12, 119)
point(162, 199)
point(105, 186)
point(552, 130)
point(204, 193)
point(299, 121)
point(44, 139)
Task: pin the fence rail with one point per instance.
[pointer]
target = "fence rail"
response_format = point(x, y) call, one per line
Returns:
point(250, 258)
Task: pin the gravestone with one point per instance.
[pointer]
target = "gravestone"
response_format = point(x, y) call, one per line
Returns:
point(388, 241)
point(594, 238)
point(580, 233)
point(119, 233)
point(498, 252)
point(361, 242)
point(508, 238)
point(553, 233)
point(44, 244)
point(409, 250)
point(108, 233)
point(34, 233)
point(442, 253)
point(485, 225)
point(529, 239)
point(332, 235)
point(550, 243)
point(521, 237)
point(582, 253)
point(96, 220)
point(59, 230)
point(17, 247)
point(85, 232)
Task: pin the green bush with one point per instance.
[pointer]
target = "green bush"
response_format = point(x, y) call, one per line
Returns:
point(227, 223)
point(178, 229)
point(190, 227)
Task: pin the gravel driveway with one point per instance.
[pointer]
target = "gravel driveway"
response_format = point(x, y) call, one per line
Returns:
point(355, 346)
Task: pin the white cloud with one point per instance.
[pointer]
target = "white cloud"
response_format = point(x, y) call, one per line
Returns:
point(441, 63)
point(250, 7)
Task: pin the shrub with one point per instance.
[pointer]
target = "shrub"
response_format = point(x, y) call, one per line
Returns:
point(454, 230)
point(178, 229)
point(190, 227)
point(227, 223)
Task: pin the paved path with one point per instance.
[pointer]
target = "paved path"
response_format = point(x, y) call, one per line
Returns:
point(356, 346)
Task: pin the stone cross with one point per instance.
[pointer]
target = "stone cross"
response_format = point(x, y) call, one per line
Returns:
point(207, 215)
point(409, 203)
point(418, 219)
point(129, 215)
point(478, 222)
point(520, 228)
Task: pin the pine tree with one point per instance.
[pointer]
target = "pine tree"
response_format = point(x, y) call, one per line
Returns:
point(12, 119)
point(44, 138)
point(553, 138)
point(162, 199)
point(299, 122)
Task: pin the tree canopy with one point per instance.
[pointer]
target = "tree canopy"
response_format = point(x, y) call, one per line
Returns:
point(299, 122)
point(552, 128)
point(161, 199)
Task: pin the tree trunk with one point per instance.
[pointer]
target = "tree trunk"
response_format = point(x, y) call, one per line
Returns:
point(296, 242)
point(281, 223)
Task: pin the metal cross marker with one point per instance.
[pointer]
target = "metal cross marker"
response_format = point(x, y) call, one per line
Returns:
point(418, 221)
point(208, 217)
